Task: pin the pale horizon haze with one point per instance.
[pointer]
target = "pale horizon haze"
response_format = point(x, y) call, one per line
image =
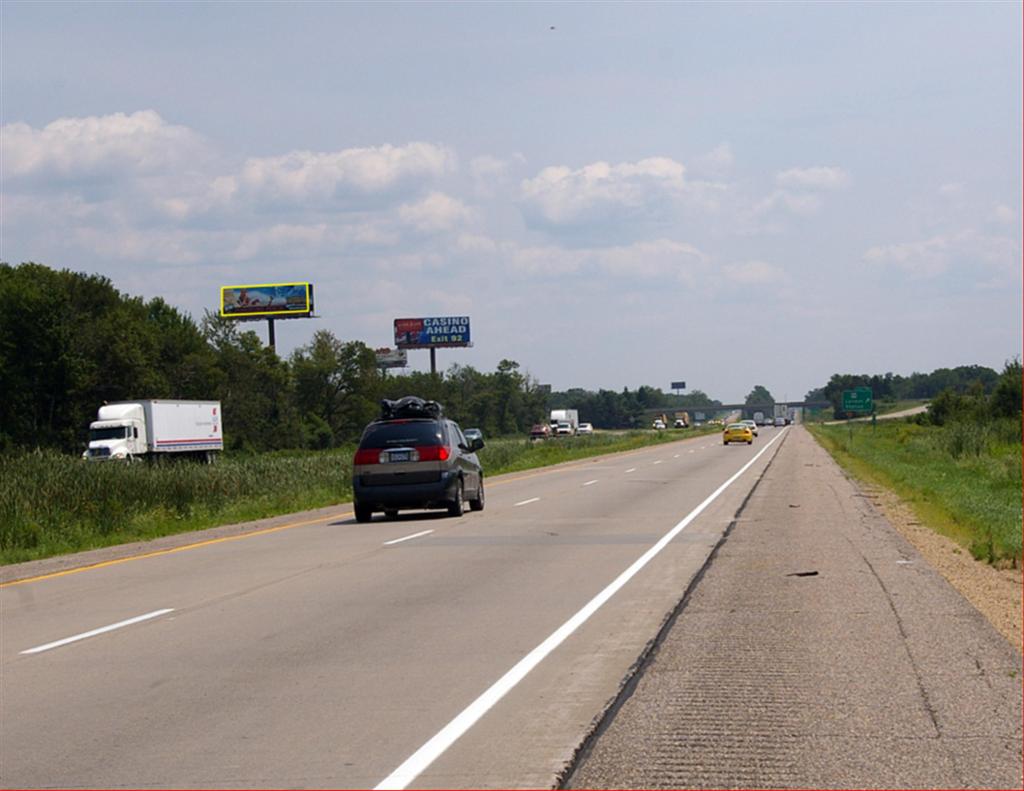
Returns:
point(617, 195)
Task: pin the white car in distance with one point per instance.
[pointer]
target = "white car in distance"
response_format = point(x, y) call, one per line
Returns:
point(563, 429)
point(584, 428)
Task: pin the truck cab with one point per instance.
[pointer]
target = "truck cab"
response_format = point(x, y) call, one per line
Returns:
point(119, 433)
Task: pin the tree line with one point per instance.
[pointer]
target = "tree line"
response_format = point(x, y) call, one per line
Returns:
point(962, 380)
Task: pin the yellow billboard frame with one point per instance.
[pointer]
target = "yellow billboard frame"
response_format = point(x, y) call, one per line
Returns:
point(269, 314)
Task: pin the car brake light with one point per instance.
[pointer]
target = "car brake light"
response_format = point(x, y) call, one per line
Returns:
point(433, 452)
point(367, 456)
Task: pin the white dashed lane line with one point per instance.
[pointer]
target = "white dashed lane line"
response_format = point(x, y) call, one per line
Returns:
point(119, 625)
point(658, 461)
point(407, 538)
point(527, 502)
point(590, 483)
point(631, 469)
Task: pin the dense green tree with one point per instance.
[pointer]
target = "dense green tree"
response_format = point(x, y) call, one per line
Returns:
point(336, 382)
point(759, 396)
point(69, 342)
point(1006, 397)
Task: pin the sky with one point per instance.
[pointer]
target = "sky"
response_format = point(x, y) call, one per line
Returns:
point(726, 194)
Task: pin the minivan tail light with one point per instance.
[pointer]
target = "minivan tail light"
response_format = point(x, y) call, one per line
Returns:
point(367, 456)
point(433, 452)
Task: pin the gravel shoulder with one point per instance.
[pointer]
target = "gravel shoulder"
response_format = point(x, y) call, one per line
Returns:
point(996, 593)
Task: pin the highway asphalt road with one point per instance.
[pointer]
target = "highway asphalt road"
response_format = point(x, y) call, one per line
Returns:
point(423, 652)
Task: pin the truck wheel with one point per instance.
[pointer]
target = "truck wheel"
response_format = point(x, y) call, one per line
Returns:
point(363, 512)
point(478, 503)
point(457, 507)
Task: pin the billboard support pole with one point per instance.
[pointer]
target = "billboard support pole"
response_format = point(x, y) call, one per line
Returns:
point(270, 335)
point(433, 360)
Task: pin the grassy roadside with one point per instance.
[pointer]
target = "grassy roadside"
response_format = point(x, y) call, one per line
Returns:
point(51, 504)
point(963, 481)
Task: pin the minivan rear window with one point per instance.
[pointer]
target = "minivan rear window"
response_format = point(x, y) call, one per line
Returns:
point(401, 434)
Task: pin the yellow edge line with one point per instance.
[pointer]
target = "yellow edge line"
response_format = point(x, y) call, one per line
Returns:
point(208, 542)
point(172, 550)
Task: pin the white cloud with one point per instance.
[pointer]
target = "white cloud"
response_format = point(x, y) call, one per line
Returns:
point(951, 190)
point(753, 272)
point(306, 175)
point(98, 146)
point(825, 178)
point(796, 203)
point(658, 260)
point(717, 162)
point(600, 191)
point(938, 254)
point(487, 167)
point(1003, 214)
point(436, 212)
point(134, 187)
point(653, 260)
point(924, 258)
point(475, 243)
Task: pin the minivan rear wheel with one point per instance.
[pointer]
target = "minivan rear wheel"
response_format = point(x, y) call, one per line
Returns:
point(478, 503)
point(364, 513)
point(457, 507)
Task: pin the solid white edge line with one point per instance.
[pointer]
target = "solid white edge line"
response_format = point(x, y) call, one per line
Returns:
point(527, 502)
point(416, 763)
point(591, 483)
point(406, 538)
point(94, 632)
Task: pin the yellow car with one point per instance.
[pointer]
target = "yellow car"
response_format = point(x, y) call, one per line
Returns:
point(737, 432)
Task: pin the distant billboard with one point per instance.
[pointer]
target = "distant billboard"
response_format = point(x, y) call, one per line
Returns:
point(678, 385)
point(392, 358)
point(267, 300)
point(430, 333)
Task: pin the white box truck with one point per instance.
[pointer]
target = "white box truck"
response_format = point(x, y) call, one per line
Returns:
point(559, 417)
point(128, 430)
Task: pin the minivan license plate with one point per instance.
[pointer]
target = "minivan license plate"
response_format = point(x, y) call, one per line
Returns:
point(398, 455)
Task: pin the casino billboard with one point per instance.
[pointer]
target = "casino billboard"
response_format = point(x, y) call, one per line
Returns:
point(432, 333)
point(267, 301)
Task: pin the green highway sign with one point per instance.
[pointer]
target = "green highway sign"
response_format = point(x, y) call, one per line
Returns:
point(859, 399)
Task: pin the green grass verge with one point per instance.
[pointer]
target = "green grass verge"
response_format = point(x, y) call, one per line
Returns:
point(962, 480)
point(51, 504)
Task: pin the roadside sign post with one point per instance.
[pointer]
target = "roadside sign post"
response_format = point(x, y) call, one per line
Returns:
point(859, 399)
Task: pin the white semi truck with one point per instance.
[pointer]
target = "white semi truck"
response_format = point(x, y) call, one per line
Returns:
point(563, 416)
point(128, 430)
